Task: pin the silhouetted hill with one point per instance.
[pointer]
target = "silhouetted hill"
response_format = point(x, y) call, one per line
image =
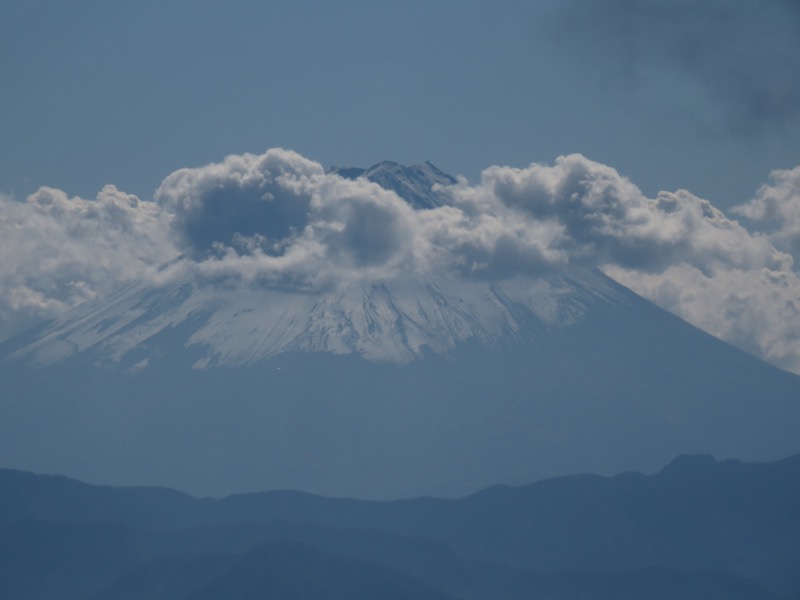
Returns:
point(165, 578)
point(53, 497)
point(296, 572)
point(58, 561)
point(698, 523)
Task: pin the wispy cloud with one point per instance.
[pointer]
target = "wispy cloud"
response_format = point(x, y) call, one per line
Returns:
point(743, 56)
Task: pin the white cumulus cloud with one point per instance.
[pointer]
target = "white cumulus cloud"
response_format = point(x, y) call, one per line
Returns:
point(59, 251)
point(777, 205)
point(279, 219)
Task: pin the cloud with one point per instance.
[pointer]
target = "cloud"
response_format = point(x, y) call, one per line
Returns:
point(59, 251)
point(777, 205)
point(597, 217)
point(757, 310)
point(245, 195)
point(278, 219)
point(361, 225)
point(744, 56)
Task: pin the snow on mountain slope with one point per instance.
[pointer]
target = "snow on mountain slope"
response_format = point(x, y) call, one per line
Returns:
point(394, 321)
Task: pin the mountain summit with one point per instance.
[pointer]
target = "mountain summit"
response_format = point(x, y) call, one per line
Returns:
point(396, 383)
point(414, 184)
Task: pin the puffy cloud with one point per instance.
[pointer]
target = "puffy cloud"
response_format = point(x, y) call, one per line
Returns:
point(59, 251)
point(242, 196)
point(361, 225)
point(279, 219)
point(777, 204)
point(492, 243)
point(590, 214)
point(757, 310)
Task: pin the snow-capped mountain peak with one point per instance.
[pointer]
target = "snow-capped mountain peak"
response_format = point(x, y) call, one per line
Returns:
point(414, 183)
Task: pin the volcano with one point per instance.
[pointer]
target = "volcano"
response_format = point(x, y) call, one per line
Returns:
point(381, 389)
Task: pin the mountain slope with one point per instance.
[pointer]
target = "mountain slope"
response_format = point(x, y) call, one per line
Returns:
point(625, 386)
point(394, 321)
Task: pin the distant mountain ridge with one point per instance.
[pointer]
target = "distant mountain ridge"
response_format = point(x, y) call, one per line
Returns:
point(697, 529)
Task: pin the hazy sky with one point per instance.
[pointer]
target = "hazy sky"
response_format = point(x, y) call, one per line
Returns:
point(675, 94)
point(150, 97)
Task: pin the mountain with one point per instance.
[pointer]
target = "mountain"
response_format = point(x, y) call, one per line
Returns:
point(414, 184)
point(294, 571)
point(382, 389)
point(699, 528)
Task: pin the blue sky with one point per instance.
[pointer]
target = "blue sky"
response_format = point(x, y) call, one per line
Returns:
point(98, 92)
